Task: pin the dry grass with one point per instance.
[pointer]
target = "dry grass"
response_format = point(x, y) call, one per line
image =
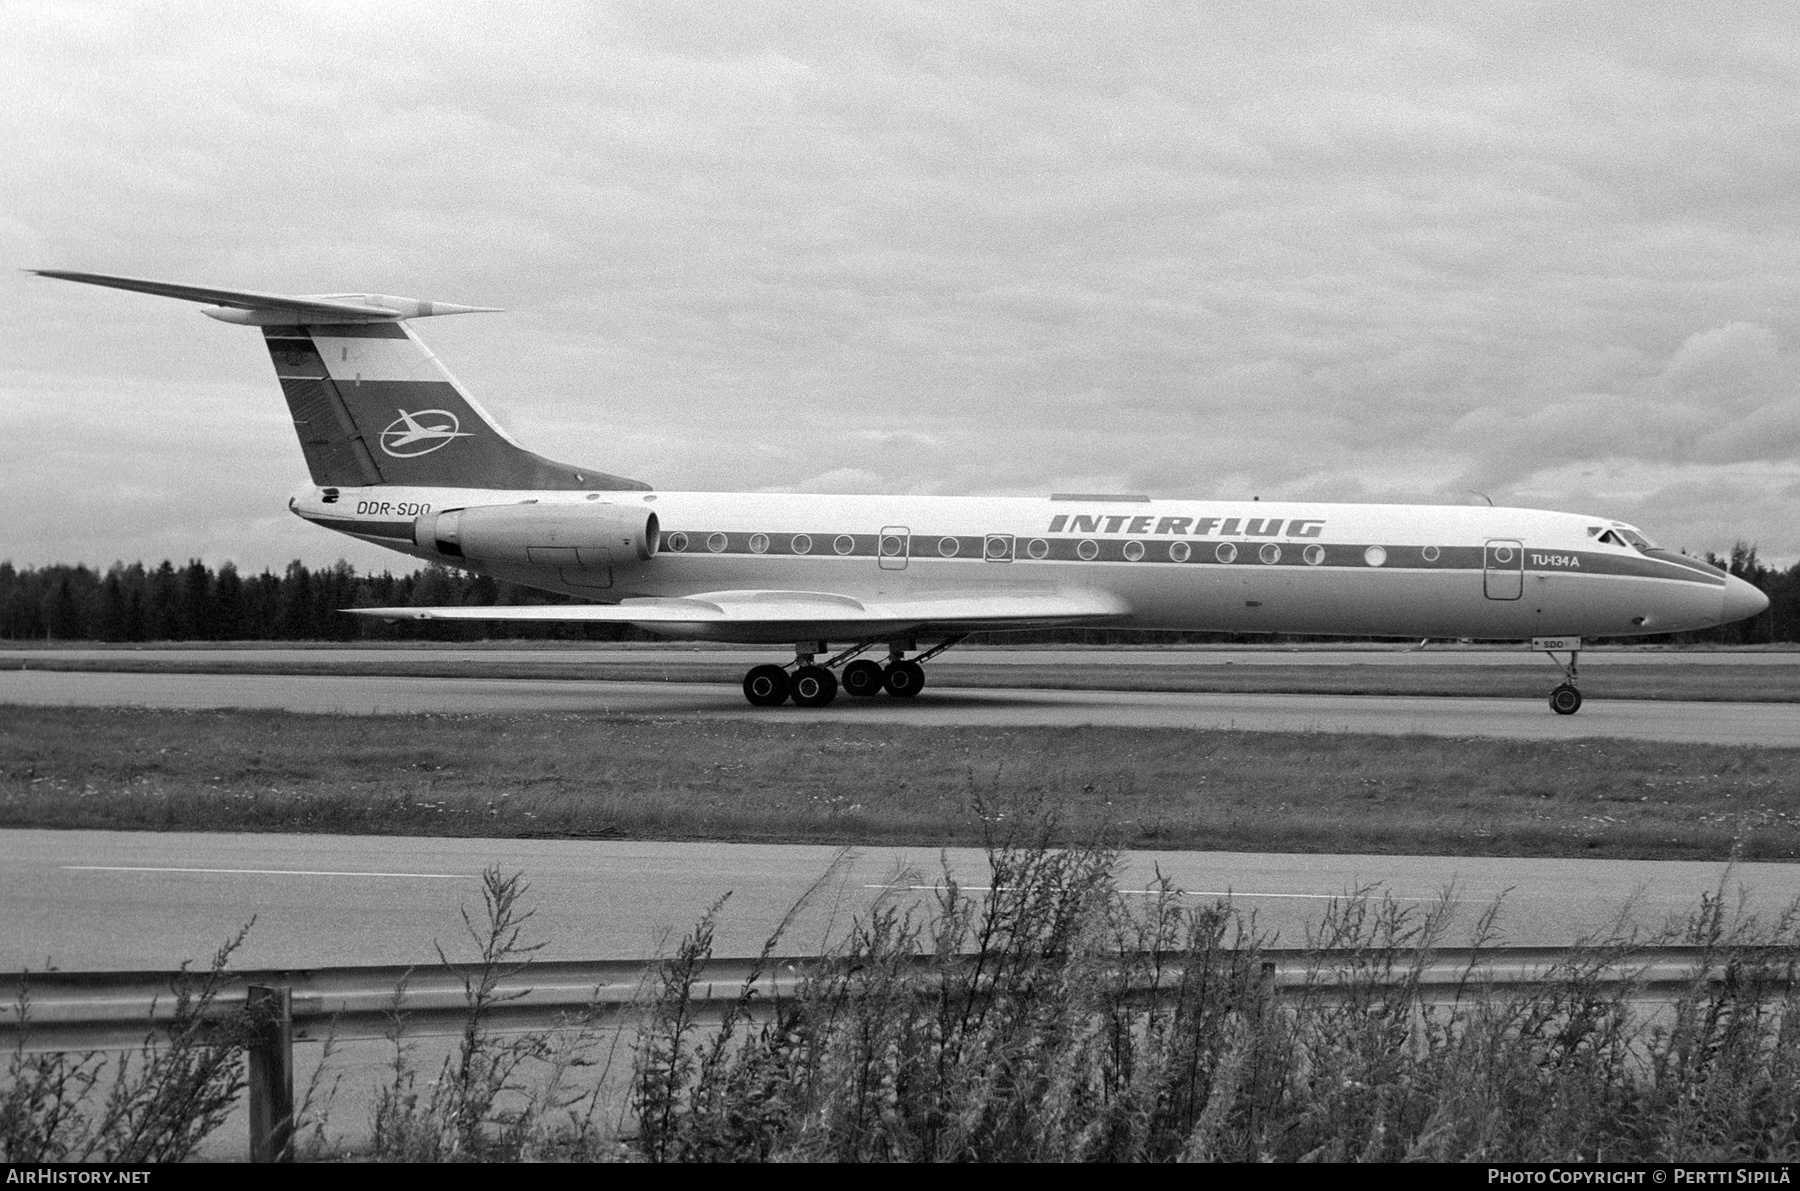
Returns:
point(597, 776)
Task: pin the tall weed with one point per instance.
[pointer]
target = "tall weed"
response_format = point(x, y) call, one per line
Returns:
point(1050, 1017)
point(499, 1096)
point(158, 1105)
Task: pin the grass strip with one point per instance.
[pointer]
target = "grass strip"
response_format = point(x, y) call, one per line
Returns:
point(1530, 679)
point(598, 776)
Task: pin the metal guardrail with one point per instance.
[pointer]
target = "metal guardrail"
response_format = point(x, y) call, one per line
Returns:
point(115, 1010)
point(98, 1011)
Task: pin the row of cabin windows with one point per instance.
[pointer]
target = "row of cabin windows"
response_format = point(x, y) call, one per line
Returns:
point(998, 547)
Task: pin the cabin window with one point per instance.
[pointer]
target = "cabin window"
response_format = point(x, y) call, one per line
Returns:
point(1134, 551)
point(1430, 553)
point(1376, 556)
point(1179, 551)
point(843, 543)
point(759, 543)
point(1089, 550)
point(1270, 554)
point(948, 547)
point(1314, 555)
point(1037, 548)
point(717, 543)
point(676, 541)
point(1227, 552)
point(802, 544)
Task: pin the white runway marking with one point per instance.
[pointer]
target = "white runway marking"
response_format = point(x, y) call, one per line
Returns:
point(1229, 893)
point(255, 872)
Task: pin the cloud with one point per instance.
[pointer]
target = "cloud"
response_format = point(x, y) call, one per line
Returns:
point(1324, 251)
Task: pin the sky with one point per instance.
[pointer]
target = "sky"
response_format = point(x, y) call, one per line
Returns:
point(1543, 254)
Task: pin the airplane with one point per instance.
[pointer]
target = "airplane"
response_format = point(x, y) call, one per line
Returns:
point(402, 456)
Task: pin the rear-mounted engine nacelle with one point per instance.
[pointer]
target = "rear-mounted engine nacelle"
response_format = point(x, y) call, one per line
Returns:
point(587, 535)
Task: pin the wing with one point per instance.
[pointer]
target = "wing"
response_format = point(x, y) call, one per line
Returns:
point(765, 616)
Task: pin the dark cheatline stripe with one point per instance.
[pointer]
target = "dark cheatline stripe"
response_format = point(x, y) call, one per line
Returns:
point(1711, 573)
point(1202, 552)
point(402, 530)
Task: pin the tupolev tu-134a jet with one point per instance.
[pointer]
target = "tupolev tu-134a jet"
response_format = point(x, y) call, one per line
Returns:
point(402, 456)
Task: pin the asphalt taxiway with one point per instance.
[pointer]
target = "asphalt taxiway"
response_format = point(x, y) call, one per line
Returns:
point(1527, 719)
point(92, 900)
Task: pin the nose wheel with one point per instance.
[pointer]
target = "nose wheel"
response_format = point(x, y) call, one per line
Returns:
point(1566, 698)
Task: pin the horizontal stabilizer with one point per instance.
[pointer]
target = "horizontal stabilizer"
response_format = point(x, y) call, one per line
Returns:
point(803, 613)
point(259, 309)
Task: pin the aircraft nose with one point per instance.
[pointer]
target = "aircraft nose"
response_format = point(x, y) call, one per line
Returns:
point(1741, 601)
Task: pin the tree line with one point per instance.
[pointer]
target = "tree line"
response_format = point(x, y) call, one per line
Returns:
point(133, 602)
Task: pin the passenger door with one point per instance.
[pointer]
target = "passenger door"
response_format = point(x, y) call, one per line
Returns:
point(1503, 569)
point(892, 547)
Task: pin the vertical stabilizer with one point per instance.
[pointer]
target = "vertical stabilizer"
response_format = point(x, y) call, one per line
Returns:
point(370, 402)
point(372, 405)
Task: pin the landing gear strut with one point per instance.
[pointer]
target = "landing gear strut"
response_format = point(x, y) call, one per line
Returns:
point(1566, 698)
point(812, 684)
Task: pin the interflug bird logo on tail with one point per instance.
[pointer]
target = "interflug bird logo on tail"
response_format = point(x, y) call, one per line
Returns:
point(406, 436)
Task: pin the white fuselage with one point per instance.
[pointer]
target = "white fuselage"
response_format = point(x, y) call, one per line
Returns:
point(1253, 567)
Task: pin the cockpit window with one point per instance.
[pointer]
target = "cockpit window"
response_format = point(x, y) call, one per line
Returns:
point(1636, 539)
point(1612, 539)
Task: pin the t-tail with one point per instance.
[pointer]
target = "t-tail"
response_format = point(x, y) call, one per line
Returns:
point(371, 403)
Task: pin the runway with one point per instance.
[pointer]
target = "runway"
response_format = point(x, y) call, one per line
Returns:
point(84, 900)
point(1525, 719)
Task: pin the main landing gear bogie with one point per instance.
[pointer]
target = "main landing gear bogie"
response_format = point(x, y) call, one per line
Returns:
point(810, 684)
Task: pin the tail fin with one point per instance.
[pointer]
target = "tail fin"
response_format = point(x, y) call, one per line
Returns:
point(370, 402)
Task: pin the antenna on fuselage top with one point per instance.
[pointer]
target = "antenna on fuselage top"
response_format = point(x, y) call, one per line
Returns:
point(1484, 496)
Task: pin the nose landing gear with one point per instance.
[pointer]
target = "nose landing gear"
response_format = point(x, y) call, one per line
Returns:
point(1566, 698)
